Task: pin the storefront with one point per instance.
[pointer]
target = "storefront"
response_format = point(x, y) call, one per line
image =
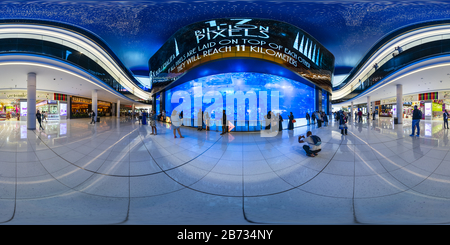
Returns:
point(13, 104)
point(81, 107)
point(432, 105)
point(387, 107)
point(9, 109)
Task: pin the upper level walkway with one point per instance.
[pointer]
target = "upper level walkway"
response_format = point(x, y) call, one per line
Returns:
point(392, 54)
point(71, 45)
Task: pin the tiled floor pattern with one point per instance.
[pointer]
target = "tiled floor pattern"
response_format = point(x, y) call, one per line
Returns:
point(117, 173)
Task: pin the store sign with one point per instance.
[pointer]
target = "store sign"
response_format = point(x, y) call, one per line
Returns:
point(389, 101)
point(16, 95)
point(23, 95)
point(81, 100)
point(265, 39)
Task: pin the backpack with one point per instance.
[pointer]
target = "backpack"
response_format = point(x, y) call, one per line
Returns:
point(316, 139)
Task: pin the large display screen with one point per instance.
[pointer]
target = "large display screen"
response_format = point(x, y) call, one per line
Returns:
point(428, 109)
point(265, 39)
point(63, 109)
point(23, 108)
point(240, 94)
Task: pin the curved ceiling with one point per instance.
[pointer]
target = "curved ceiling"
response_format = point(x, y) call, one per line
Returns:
point(411, 38)
point(135, 30)
point(426, 76)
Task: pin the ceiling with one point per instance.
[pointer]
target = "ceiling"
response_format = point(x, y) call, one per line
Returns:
point(135, 30)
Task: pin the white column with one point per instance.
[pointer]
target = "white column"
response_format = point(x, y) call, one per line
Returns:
point(118, 108)
point(94, 103)
point(368, 105)
point(399, 103)
point(31, 101)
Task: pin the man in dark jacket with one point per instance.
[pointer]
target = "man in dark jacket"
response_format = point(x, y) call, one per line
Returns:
point(93, 117)
point(417, 115)
point(445, 116)
point(224, 123)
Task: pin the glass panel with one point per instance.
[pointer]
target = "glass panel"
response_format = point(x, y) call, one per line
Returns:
point(246, 89)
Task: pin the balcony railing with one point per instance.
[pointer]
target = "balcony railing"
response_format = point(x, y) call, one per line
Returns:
point(400, 57)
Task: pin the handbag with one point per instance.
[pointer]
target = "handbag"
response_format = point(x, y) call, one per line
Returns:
point(294, 121)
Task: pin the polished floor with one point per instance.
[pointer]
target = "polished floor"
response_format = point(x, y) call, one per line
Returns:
point(115, 172)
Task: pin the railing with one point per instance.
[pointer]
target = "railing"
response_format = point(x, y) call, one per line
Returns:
point(400, 57)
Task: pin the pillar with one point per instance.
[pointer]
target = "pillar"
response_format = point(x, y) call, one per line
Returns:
point(368, 106)
point(399, 104)
point(94, 103)
point(31, 101)
point(118, 108)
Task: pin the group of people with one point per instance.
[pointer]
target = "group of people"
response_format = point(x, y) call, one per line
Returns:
point(277, 122)
point(319, 116)
point(417, 115)
point(142, 116)
point(342, 118)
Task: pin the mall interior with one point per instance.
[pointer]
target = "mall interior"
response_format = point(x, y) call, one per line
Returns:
point(199, 108)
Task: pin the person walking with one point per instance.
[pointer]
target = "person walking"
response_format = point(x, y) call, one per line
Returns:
point(280, 120)
point(268, 117)
point(93, 117)
point(207, 118)
point(313, 117)
point(359, 116)
point(291, 122)
point(417, 115)
point(445, 116)
point(38, 117)
point(308, 118)
point(153, 122)
point(144, 117)
point(319, 119)
point(343, 123)
point(325, 119)
point(224, 123)
point(199, 120)
point(175, 119)
point(44, 116)
point(140, 116)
